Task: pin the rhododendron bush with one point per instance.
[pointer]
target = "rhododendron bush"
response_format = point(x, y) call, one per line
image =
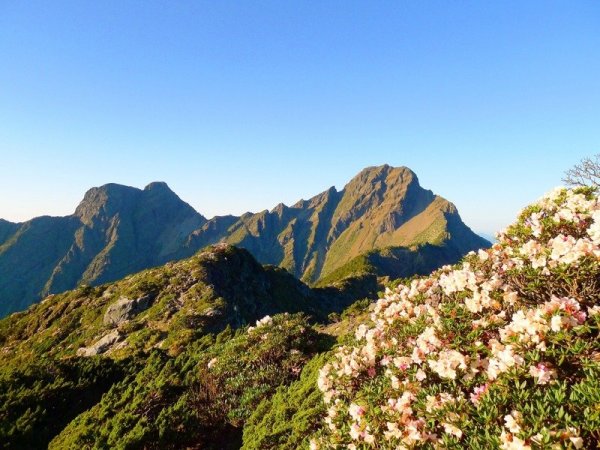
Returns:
point(499, 352)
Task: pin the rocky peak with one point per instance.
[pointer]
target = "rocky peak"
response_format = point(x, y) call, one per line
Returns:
point(158, 186)
point(106, 201)
point(380, 187)
point(163, 202)
point(111, 199)
point(379, 178)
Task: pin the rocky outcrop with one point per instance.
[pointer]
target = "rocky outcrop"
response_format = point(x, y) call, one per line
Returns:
point(102, 345)
point(125, 309)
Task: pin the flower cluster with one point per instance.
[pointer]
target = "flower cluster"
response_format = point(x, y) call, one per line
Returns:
point(267, 320)
point(472, 347)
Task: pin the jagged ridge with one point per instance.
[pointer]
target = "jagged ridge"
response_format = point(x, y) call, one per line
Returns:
point(117, 230)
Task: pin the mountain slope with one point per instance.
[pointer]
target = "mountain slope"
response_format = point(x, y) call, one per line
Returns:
point(117, 230)
point(121, 346)
point(395, 262)
point(380, 207)
point(6, 230)
point(164, 307)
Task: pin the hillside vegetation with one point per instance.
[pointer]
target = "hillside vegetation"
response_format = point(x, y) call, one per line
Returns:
point(165, 308)
point(114, 358)
point(499, 351)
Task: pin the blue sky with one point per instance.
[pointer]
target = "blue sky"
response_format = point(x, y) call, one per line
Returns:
point(240, 105)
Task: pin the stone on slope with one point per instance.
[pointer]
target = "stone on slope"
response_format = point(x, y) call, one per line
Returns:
point(102, 345)
point(125, 309)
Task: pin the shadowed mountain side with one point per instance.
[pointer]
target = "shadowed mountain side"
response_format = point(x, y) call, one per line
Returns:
point(29, 257)
point(115, 230)
point(7, 229)
point(395, 262)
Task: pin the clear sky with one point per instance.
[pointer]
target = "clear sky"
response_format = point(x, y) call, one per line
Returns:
point(241, 105)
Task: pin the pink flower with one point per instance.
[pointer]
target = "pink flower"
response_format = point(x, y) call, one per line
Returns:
point(542, 373)
point(478, 393)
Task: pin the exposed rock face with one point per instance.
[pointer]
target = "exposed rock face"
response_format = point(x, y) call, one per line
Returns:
point(125, 309)
point(118, 230)
point(102, 345)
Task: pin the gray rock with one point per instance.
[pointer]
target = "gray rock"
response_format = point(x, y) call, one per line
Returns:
point(212, 312)
point(102, 345)
point(125, 309)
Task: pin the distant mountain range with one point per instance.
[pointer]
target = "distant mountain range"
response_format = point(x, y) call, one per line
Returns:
point(382, 216)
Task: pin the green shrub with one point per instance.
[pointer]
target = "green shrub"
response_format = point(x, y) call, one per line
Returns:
point(202, 397)
point(289, 418)
point(38, 400)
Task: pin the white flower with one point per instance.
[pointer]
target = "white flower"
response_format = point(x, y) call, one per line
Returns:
point(512, 421)
point(447, 363)
point(356, 411)
point(594, 229)
point(504, 359)
point(594, 310)
point(483, 255)
point(368, 438)
point(576, 441)
point(355, 432)
point(452, 429)
point(511, 442)
point(267, 320)
point(556, 323)
point(361, 332)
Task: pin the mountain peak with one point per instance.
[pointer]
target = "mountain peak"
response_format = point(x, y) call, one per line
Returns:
point(384, 171)
point(158, 185)
point(112, 198)
point(109, 198)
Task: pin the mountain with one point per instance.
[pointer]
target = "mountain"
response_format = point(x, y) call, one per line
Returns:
point(117, 230)
point(162, 307)
point(380, 207)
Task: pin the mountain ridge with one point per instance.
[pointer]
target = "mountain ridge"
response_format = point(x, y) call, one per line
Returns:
point(332, 219)
point(117, 230)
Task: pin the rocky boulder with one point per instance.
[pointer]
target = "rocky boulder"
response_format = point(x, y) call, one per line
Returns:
point(126, 309)
point(102, 345)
